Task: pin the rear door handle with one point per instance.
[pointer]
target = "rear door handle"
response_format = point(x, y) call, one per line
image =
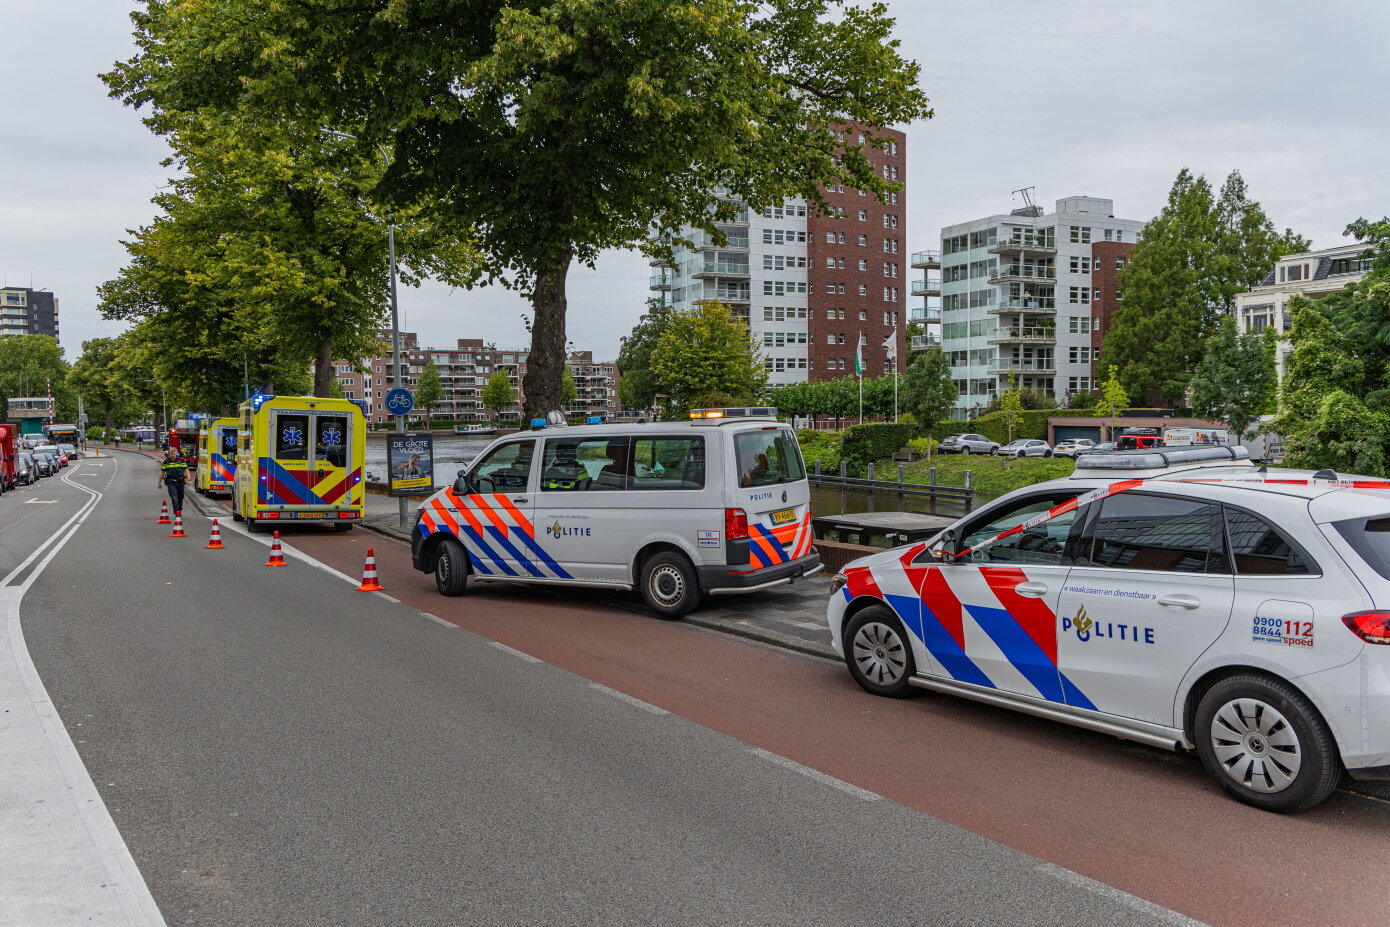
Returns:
point(521, 501)
point(1178, 600)
point(1031, 590)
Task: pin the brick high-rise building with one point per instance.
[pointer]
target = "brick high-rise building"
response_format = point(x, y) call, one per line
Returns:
point(809, 286)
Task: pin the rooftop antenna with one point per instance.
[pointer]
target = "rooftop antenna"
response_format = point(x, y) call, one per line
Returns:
point(1027, 194)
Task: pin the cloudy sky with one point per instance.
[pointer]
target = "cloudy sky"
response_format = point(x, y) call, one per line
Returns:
point(1103, 98)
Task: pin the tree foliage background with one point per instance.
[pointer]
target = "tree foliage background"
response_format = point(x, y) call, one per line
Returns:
point(543, 127)
point(1191, 261)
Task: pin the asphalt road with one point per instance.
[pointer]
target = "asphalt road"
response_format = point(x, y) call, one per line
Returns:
point(278, 748)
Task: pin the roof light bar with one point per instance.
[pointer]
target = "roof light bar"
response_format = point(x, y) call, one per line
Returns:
point(736, 412)
point(1152, 459)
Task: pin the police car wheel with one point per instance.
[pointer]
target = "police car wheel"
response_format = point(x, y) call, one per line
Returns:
point(451, 568)
point(669, 585)
point(1265, 744)
point(878, 654)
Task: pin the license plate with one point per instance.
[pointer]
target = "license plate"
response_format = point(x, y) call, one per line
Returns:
point(309, 515)
point(784, 516)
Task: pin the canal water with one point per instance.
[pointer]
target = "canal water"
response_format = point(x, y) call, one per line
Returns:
point(454, 452)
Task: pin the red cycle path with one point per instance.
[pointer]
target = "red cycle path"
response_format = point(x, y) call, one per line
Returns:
point(1142, 820)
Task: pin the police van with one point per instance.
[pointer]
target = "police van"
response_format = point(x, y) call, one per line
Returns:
point(299, 459)
point(678, 510)
point(216, 457)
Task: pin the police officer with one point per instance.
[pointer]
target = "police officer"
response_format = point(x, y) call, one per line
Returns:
point(173, 470)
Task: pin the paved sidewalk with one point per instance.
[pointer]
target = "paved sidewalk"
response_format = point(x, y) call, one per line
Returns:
point(791, 616)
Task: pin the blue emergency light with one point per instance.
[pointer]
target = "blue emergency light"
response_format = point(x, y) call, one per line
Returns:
point(537, 424)
point(259, 400)
point(594, 420)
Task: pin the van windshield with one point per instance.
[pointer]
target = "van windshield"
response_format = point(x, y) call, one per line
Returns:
point(768, 456)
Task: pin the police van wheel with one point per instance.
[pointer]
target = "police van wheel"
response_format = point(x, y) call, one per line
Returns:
point(451, 568)
point(878, 654)
point(1265, 744)
point(669, 585)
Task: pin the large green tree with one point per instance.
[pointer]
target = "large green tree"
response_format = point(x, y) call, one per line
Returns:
point(429, 390)
point(639, 385)
point(498, 393)
point(103, 382)
point(1191, 261)
point(31, 365)
point(1235, 381)
point(928, 390)
point(706, 358)
point(554, 128)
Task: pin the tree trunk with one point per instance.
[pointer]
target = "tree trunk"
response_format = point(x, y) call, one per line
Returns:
point(323, 369)
point(545, 366)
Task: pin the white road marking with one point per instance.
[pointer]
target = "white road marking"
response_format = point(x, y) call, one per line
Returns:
point(623, 696)
point(516, 653)
point(1110, 893)
point(40, 501)
point(437, 620)
point(815, 774)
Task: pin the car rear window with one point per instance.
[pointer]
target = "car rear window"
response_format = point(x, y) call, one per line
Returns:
point(1370, 538)
point(768, 456)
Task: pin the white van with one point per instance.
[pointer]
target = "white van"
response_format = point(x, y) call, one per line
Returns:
point(679, 510)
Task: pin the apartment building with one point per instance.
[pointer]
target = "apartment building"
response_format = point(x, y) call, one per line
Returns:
point(808, 285)
point(1313, 274)
point(463, 371)
point(24, 311)
point(1027, 294)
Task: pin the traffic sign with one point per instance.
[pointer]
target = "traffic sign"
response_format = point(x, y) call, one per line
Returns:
point(399, 401)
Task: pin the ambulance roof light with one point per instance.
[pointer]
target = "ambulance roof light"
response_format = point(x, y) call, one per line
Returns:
point(259, 400)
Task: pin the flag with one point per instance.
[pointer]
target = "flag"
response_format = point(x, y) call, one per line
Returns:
point(859, 357)
point(890, 345)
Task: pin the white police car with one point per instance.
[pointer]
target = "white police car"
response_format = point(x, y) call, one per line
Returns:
point(1175, 597)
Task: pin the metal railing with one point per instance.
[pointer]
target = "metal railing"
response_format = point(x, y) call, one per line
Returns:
point(922, 258)
point(899, 486)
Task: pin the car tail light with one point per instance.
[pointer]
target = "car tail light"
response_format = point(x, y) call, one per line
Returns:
point(270, 514)
point(347, 514)
point(1373, 627)
point(735, 525)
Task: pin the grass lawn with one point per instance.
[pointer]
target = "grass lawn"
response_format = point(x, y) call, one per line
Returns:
point(989, 475)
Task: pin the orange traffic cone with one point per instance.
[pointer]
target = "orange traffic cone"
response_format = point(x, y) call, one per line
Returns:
point(164, 513)
point(178, 526)
point(276, 558)
point(215, 541)
point(369, 583)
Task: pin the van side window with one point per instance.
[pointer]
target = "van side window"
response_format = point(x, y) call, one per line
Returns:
point(292, 437)
point(1135, 531)
point(668, 463)
point(1259, 548)
point(585, 464)
point(506, 469)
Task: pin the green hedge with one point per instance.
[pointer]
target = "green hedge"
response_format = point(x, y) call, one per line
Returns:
point(862, 444)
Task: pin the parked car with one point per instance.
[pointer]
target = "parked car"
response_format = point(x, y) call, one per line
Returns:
point(1104, 447)
point(1026, 447)
point(968, 444)
point(1070, 447)
point(26, 470)
point(46, 455)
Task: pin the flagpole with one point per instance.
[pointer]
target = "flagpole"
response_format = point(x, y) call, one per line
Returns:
point(895, 390)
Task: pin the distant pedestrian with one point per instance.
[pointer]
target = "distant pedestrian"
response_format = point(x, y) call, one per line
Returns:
point(173, 471)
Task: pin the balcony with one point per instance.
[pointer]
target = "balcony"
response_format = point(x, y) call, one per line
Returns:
point(1026, 244)
point(721, 269)
point(924, 314)
point(1026, 305)
point(923, 342)
point(1025, 336)
point(659, 282)
point(927, 260)
point(1024, 273)
point(1033, 368)
point(929, 286)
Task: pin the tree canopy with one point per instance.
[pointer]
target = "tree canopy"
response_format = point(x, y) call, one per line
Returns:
point(29, 366)
point(639, 384)
point(429, 390)
point(706, 358)
point(498, 393)
point(1235, 381)
point(928, 390)
point(552, 129)
point(1191, 261)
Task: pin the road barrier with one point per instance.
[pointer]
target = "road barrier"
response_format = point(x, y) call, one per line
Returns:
point(277, 558)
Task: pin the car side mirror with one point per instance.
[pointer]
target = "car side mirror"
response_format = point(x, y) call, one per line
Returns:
point(945, 549)
point(461, 483)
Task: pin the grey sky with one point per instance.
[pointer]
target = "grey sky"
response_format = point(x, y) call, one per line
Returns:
point(1104, 98)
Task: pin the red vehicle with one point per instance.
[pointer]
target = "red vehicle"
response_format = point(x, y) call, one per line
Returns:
point(8, 436)
point(1136, 438)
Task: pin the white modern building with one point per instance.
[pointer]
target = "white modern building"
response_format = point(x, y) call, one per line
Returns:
point(1027, 294)
point(1313, 274)
point(928, 315)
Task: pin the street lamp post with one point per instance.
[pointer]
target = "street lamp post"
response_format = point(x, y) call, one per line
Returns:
point(399, 377)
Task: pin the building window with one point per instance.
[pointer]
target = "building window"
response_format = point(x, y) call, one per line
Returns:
point(863, 315)
point(863, 264)
point(1079, 355)
point(1080, 324)
point(1080, 234)
point(830, 238)
point(1080, 265)
point(863, 215)
point(830, 263)
point(1079, 295)
point(863, 289)
point(863, 240)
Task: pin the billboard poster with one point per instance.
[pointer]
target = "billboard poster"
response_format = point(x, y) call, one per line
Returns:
point(410, 458)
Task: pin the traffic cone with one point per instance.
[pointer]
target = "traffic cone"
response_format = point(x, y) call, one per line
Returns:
point(215, 541)
point(178, 526)
point(276, 558)
point(164, 513)
point(369, 583)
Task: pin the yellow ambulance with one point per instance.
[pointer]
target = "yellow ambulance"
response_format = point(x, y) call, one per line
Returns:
point(216, 457)
point(299, 459)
